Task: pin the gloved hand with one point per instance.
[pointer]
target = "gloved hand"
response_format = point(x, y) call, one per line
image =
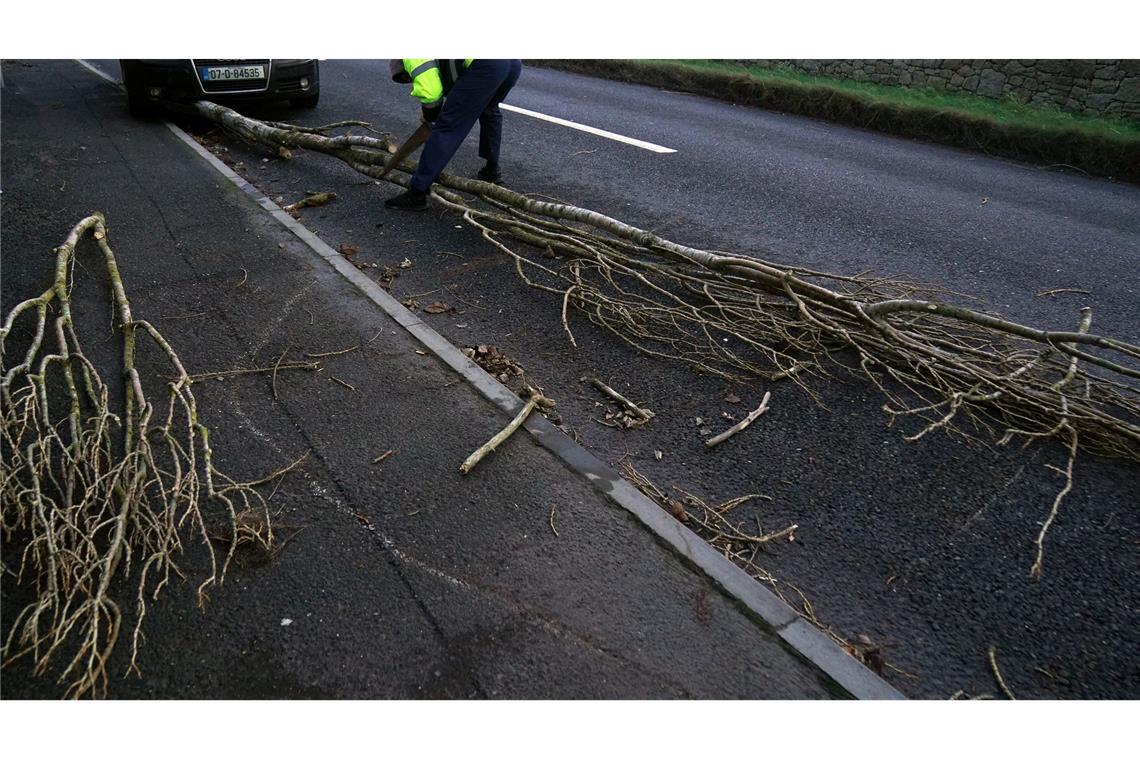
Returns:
point(428, 114)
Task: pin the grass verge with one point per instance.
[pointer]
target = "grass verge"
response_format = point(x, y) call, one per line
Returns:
point(1099, 146)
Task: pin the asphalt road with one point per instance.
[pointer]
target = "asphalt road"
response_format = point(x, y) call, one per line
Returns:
point(402, 578)
point(949, 526)
point(802, 190)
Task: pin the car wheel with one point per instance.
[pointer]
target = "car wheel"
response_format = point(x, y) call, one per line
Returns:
point(309, 101)
point(139, 105)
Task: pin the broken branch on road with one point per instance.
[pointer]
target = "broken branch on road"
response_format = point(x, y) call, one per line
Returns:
point(949, 368)
point(535, 399)
point(104, 495)
point(316, 199)
point(636, 415)
point(722, 437)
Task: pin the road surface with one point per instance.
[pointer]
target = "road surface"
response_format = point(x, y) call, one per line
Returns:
point(922, 548)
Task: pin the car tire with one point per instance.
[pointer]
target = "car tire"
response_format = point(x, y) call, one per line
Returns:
point(309, 101)
point(139, 105)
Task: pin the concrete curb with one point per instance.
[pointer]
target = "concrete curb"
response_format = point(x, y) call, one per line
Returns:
point(805, 639)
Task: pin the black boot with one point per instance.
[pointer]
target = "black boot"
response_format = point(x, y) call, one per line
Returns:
point(490, 173)
point(409, 200)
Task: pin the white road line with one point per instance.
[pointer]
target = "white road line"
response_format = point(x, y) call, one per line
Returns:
point(591, 130)
point(525, 112)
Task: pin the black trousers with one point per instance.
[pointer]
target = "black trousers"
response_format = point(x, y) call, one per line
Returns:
point(474, 97)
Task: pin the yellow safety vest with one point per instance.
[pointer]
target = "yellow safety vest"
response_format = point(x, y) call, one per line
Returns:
point(432, 78)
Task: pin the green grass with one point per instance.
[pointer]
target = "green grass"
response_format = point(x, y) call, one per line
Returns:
point(1100, 146)
point(1006, 111)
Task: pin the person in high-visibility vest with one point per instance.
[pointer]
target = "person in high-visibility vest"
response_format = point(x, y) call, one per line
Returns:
point(454, 94)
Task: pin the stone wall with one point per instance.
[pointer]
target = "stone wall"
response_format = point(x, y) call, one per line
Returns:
point(1082, 86)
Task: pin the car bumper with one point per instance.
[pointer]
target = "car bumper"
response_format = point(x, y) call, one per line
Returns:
point(179, 80)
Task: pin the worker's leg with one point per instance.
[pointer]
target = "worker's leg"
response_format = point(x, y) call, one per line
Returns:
point(472, 92)
point(491, 120)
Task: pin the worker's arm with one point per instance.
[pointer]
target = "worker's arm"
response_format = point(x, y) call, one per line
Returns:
point(427, 86)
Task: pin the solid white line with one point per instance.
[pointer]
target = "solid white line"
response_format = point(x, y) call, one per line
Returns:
point(591, 130)
point(554, 119)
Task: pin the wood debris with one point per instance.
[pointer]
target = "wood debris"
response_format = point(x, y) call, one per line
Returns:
point(742, 424)
point(497, 364)
point(480, 453)
point(630, 416)
point(314, 199)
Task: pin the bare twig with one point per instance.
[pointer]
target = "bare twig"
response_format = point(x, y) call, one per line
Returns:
point(1035, 570)
point(992, 657)
point(184, 316)
point(103, 498)
point(333, 353)
point(253, 370)
point(451, 289)
point(271, 476)
point(419, 295)
point(742, 424)
point(478, 455)
point(383, 456)
point(645, 415)
point(276, 366)
point(565, 322)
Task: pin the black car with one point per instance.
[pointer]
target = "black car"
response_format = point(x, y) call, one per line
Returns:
point(149, 82)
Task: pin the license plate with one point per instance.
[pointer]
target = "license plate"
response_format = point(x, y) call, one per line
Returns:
point(232, 73)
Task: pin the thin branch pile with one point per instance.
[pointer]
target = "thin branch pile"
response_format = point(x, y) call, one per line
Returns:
point(950, 368)
point(102, 494)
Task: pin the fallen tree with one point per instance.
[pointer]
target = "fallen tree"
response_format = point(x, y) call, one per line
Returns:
point(103, 500)
point(952, 368)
